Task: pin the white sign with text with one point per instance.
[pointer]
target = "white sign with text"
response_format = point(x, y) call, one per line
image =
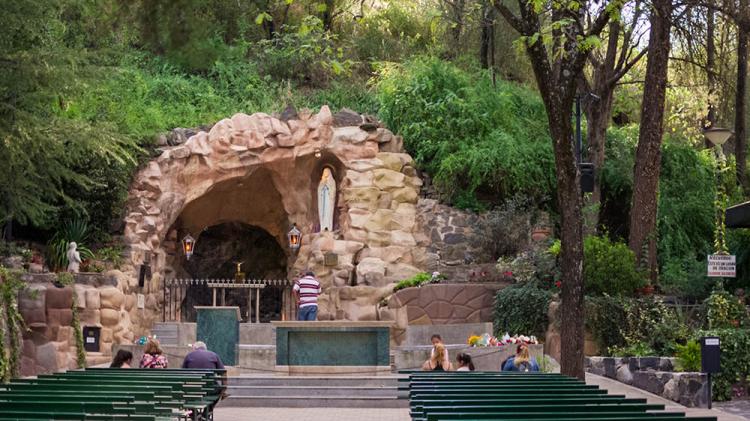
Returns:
point(722, 266)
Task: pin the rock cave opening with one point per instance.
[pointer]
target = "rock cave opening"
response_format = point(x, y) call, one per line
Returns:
point(217, 251)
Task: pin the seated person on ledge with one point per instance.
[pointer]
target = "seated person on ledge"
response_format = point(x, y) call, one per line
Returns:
point(521, 361)
point(438, 360)
point(464, 362)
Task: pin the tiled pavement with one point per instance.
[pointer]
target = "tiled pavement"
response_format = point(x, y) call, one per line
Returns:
point(739, 407)
point(740, 411)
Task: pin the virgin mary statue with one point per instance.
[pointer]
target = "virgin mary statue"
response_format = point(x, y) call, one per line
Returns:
point(326, 200)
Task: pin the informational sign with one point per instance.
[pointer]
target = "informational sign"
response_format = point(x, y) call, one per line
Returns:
point(90, 340)
point(141, 301)
point(722, 266)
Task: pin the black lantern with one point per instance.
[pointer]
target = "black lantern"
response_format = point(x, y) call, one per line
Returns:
point(295, 238)
point(188, 245)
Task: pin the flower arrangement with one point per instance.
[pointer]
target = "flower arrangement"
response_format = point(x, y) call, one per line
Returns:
point(489, 340)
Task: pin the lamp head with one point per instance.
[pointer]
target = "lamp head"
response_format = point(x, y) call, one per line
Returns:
point(717, 135)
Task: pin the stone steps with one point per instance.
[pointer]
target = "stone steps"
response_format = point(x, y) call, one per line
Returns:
point(314, 392)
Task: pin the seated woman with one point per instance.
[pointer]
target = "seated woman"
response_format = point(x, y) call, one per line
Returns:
point(464, 362)
point(438, 360)
point(153, 357)
point(522, 361)
point(122, 359)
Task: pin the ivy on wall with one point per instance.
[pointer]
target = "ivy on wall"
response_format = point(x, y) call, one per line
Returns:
point(66, 279)
point(11, 323)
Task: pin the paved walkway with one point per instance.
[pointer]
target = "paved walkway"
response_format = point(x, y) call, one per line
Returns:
point(387, 414)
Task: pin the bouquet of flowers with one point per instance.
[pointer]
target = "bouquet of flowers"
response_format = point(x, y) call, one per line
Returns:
point(489, 340)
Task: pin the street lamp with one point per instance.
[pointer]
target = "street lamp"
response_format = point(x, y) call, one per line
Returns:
point(295, 238)
point(719, 136)
point(188, 245)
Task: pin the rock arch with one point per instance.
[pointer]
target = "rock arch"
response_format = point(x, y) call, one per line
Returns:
point(376, 200)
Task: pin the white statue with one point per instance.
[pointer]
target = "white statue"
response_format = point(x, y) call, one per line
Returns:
point(74, 258)
point(326, 200)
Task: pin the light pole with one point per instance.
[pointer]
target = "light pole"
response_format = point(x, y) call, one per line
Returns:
point(719, 136)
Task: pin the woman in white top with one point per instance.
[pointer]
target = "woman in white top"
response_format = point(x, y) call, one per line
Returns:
point(464, 362)
point(436, 339)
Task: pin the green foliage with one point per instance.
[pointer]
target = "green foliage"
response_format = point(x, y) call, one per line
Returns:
point(723, 310)
point(689, 356)
point(609, 267)
point(11, 323)
point(480, 142)
point(685, 277)
point(619, 322)
point(112, 254)
point(511, 221)
point(417, 280)
point(735, 361)
point(77, 231)
point(522, 309)
point(637, 349)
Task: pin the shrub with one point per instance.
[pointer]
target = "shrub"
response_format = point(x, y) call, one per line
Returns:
point(505, 230)
point(685, 277)
point(522, 309)
point(71, 231)
point(619, 322)
point(638, 349)
point(418, 280)
point(723, 310)
point(609, 267)
point(735, 361)
point(689, 356)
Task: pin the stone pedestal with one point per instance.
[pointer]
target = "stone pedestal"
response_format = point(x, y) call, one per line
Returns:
point(333, 347)
point(219, 328)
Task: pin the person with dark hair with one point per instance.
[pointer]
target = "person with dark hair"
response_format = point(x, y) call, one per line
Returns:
point(122, 359)
point(464, 362)
point(437, 339)
point(437, 361)
point(306, 292)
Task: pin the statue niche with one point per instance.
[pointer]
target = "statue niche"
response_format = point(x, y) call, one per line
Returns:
point(326, 200)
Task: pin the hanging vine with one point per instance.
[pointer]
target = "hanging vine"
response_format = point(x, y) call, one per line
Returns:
point(66, 279)
point(12, 323)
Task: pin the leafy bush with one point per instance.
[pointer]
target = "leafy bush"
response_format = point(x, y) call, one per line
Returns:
point(638, 349)
point(685, 277)
point(522, 309)
point(505, 230)
point(609, 267)
point(112, 254)
point(618, 322)
point(735, 361)
point(418, 280)
point(689, 356)
point(723, 310)
point(71, 231)
point(480, 142)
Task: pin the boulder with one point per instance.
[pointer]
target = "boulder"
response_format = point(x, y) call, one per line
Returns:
point(46, 357)
point(92, 299)
point(59, 317)
point(352, 135)
point(110, 317)
point(386, 179)
point(111, 298)
point(405, 195)
point(59, 297)
point(371, 271)
point(624, 375)
point(32, 306)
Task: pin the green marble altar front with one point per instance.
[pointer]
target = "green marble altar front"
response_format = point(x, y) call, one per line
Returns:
point(326, 347)
point(219, 328)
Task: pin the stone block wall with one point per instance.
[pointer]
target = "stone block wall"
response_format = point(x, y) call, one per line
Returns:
point(655, 375)
point(49, 344)
point(441, 304)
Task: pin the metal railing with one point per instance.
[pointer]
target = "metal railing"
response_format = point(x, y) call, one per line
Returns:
point(176, 291)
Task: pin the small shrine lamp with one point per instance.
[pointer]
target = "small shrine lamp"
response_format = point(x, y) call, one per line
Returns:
point(295, 238)
point(188, 245)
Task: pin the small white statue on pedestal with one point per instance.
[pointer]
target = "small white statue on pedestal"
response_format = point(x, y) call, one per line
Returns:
point(326, 200)
point(74, 258)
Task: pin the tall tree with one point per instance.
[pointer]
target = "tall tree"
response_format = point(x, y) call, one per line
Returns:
point(558, 36)
point(487, 38)
point(648, 153)
point(740, 102)
point(608, 66)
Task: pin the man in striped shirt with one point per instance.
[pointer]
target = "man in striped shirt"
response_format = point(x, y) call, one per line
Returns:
point(306, 291)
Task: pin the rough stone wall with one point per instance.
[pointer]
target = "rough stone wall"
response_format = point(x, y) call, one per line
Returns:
point(655, 375)
point(441, 304)
point(49, 344)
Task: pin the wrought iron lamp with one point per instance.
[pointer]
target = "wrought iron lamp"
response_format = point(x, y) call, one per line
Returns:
point(295, 238)
point(188, 246)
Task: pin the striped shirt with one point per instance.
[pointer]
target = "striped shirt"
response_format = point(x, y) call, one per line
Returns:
point(308, 289)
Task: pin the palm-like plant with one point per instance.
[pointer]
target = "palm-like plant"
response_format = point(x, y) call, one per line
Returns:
point(76, 230)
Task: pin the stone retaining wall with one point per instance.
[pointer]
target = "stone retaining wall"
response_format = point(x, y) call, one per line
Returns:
point(49, 345)
point(655, 375)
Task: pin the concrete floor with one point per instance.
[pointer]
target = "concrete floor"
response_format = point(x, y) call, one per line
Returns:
point(740, 410)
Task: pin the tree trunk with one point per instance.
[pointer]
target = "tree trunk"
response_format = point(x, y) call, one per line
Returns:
point(740, 135)
point(598, 114)
point(644, 205)
point(328, 15)
point(485, 41)
point(710, 68)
